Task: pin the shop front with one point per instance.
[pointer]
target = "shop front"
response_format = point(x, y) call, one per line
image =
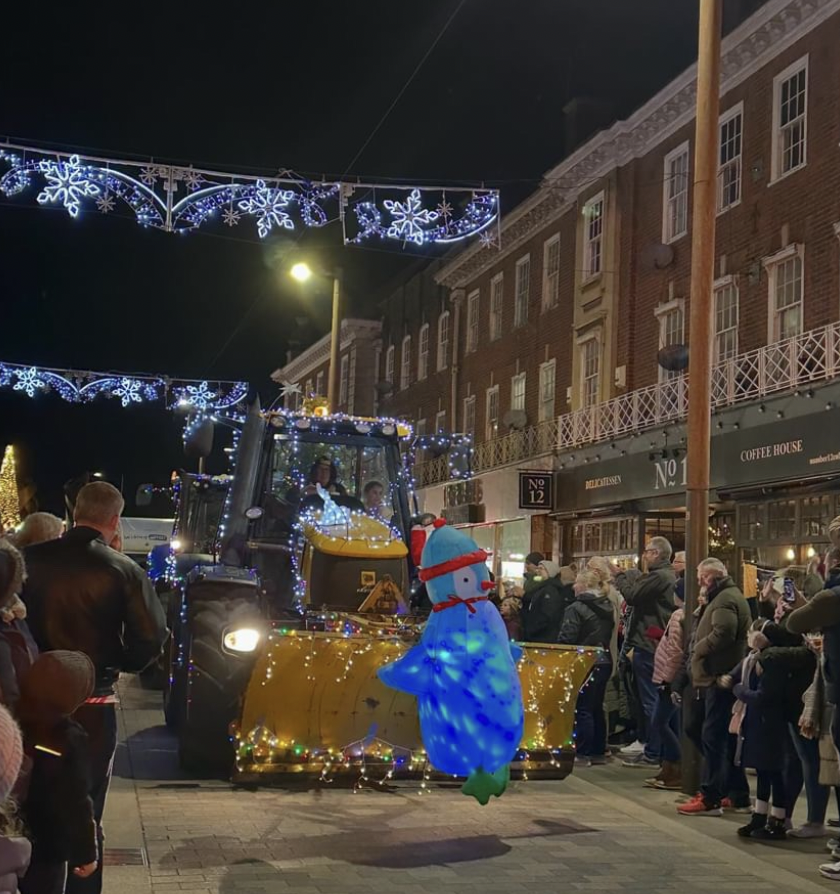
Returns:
point(775, 486)
point(491, 508)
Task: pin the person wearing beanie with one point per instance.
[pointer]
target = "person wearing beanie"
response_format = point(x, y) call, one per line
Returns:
point(17, 648)
point(58, 810)
point(544, 604)
point(532, 563)
point(14, 851)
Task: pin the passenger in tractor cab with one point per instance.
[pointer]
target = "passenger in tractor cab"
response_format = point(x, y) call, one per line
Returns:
point(373, 496)
point(324, 472)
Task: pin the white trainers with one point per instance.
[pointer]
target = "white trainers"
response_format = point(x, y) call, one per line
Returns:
point(632, 750)
point(830, 870)
point(809, 830)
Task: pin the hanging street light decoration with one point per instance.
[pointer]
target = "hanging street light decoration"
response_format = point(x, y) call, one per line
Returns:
point(182, 199)
point(76, 387)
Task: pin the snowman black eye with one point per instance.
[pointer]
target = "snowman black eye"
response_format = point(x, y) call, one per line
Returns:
point(466, 580)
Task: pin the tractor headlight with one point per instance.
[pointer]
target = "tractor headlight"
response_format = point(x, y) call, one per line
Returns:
point(245, 639)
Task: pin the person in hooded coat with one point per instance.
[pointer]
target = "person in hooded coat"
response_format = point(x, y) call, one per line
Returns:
point(544, 604)
point(589, 621)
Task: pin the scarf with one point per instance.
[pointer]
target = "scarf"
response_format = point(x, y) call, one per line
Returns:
point(739, 709)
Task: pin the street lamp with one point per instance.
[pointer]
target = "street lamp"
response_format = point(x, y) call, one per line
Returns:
point(303, 272)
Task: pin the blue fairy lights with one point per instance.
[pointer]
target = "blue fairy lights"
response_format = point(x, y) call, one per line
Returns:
point(182, 199)
point(83, 387)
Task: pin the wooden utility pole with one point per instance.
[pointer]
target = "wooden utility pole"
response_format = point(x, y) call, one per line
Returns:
point(701, 316)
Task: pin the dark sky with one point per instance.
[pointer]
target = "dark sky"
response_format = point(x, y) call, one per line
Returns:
point(282, 85)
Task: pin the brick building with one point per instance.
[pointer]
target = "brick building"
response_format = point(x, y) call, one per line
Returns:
point(358, 369)
point(547, 350)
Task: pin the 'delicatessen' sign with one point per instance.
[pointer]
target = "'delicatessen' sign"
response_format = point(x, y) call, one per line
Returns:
point(536, 490)
point(793, 448)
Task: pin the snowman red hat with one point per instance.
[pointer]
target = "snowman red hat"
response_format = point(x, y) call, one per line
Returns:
point(444, 552)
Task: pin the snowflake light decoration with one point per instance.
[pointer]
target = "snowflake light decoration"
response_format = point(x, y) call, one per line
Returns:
point(289, 388)
point(487, 239)
point(29, 381)
point(408, 216)
point(149, 175)
point(231, 217)
point(268, 206)
point(68, 182)
point(105, 203)
point(128, 391)
point(444, 210)
point(199, 397)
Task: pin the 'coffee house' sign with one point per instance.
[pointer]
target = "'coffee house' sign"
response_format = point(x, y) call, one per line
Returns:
point(781, 451)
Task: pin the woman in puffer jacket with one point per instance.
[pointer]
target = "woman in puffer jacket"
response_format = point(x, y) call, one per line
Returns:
point(668, 661)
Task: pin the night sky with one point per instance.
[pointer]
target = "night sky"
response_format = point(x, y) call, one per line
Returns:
point(283, 85)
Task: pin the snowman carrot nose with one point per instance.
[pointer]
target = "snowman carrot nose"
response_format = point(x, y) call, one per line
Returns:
point(487, 585)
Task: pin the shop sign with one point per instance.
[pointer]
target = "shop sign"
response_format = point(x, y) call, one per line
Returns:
point(780, 451)
point(536, 490)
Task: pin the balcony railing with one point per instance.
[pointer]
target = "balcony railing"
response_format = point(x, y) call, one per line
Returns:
point(804, 359)
point(783, 366)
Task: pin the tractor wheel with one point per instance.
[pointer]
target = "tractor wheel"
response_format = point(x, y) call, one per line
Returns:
point(215, 684)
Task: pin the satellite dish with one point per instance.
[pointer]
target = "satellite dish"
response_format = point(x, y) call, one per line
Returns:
point(384, 388)
point(657, 256)
point(673, 358)
point(515, 419)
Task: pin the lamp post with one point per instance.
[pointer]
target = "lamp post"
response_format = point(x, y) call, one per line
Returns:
point(701, 311)
point(302, 272)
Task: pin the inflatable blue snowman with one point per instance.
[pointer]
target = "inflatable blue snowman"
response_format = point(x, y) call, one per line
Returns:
point(463, 670)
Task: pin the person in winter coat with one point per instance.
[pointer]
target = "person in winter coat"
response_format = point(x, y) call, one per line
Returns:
point(823, 613)
point(510, 608)
point(814, 724)
point(668, 661)
point(769, 693)
point(17, 648)
point(589, 621)
point(601, 567)
point(543, 606)
point(58, 811)
point(720, 642)
point(532, 572)
point(651, 598)
point(14, 850)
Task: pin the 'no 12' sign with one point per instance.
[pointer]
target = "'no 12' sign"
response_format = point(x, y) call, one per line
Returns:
point(536, 490)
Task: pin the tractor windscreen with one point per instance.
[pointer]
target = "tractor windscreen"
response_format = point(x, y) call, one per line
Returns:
point(360, 473)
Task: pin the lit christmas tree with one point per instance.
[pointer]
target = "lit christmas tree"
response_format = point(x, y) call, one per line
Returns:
point(9, 496)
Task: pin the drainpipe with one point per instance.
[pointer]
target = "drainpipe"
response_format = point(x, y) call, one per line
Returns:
point(457, 299)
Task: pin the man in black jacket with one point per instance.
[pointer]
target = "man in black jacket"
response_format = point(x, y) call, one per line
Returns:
point(83, 596)
point(651, 600)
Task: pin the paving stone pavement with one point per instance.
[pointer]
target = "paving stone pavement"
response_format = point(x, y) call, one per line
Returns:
point(578, 835)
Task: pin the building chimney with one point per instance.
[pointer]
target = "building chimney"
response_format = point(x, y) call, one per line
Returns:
point(583, 117)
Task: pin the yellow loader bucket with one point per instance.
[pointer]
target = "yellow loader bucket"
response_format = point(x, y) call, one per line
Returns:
point(314, 705)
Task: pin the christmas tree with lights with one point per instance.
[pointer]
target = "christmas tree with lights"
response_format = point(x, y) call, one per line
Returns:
point(9, 496)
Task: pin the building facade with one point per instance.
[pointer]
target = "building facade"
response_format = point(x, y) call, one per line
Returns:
point(547, 350)
point(358, 369)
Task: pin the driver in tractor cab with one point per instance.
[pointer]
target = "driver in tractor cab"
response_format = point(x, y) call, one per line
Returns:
point(324, 472)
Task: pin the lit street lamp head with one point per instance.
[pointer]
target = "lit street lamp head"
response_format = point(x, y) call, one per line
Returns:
point(301, 272)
